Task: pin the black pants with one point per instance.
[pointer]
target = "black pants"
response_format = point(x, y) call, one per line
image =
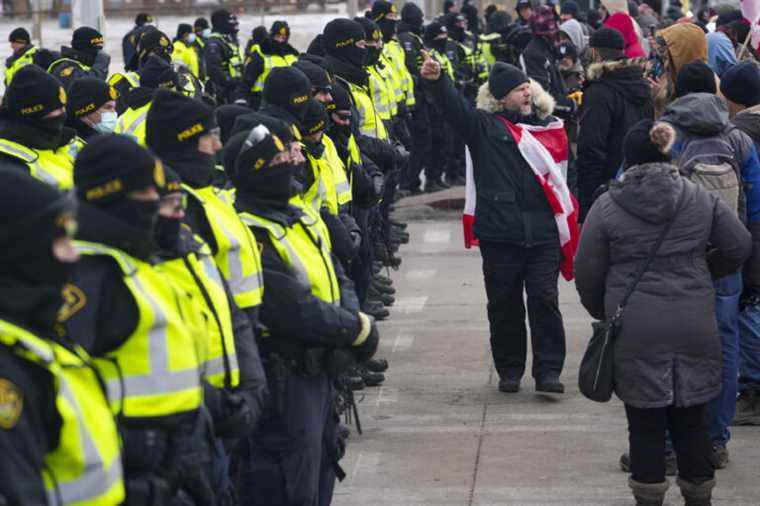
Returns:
point(422, 145)
point(508, 270)
point(440, 133)
point(688, 429)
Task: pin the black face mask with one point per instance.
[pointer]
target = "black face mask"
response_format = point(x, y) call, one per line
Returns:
point(415, 25)
point(195, 168)
point(271, 183)
point(51, 126)
point(354, 55)
point(166, 232)
point(45, 269)
point(315, 149)
point(439, 45)
point(339, 133)
point(456, 33)
point(387, 28)
point(137, 214)
point(373, 56)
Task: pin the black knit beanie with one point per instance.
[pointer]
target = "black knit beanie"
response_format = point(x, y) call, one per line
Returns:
point(289, 88)
point(318, 76)
point(87, 95)
point(222, 21)
point(607, 38)
point(225, 118)
point(33, 93)
point(87, 40)
point(315, 119)
point(695, 77)
point(175, 122)
point(741, 83)
point(638, 147)
point(111, 166)
point(340, 35)
point(412, 14)
point(183, 29)
point(280, 28)
point(143, 18)
point(505, 78)
point(20, 35)
point(156, 73)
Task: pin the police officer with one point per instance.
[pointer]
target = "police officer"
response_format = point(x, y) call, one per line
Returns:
point(33, 137)
point(272, 52)
point(183, 132)
point(24, 53)
point(301, 278)
point(185, 51)
point(85, 57)
point(202, 31)
point(92, 107)
point(155, 74)
point(129, 42)
point(145, 343)
point(382, 86)
point(58, 438)
point(258, 35)
point(224, 63)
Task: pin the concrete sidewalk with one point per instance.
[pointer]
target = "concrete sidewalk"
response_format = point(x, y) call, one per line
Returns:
point(438, 432)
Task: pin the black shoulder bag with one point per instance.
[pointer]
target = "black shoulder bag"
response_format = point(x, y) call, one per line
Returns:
point(596, 378)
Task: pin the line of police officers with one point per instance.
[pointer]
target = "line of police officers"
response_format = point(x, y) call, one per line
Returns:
point(175, 317)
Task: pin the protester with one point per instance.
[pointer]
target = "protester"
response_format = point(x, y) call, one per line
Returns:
point(667, 352)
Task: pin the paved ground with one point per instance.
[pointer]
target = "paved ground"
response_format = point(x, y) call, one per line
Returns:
point(440, 433)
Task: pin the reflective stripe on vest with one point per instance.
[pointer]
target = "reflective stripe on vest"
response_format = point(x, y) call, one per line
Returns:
point(133, 78)
point(340, 180)
point(85, 468)
point(317, 195)
point(270, 61)
point(82, 66)
point(381, 97)
point(302, 249)
point(444, 61)
point(234, 62)
point(237, 255)
point(220, 365)
point(132, 123)
point(158, 365)
point(25, 59)
point(370, 123)
point(397, 56)
point(55, 168)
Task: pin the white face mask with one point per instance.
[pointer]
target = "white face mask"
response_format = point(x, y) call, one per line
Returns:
point(107, 122)
point(190, 38)
point(206, 33)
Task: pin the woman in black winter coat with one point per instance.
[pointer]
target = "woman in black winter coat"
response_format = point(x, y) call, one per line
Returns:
point(667, 354)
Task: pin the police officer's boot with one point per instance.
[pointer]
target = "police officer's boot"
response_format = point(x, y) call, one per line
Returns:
point(648, 494)
point(377, 364)
point(383, 288)
point(374, 294)
point(696, 495)
point(375, 309)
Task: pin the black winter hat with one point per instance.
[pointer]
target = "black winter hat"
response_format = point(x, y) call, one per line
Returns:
point(371, 30)
point(729, 16)
point(173, 182)
point(32, 215)
point(200, 24)
point(695, 77)
point(412, 14)
point(156, 73)
point(522, 4)
point(277, 126)
point(87, 95)
point(505, 78)
point(741, 83)
point(315, 119)
point(607, 38)
point(252, 151)
point(225, 118)
point(341, 33)
point(638, 146)
point(87, 40)
point(287, 87)
point(318, 76)
point(153, 40)
point(183, 29)
point(33, 93)
point(280, 28)
point(341, 99)
point(222, 21)
point(175, 122)
point(20, 35)
point(569, 7)
point(110, 166)
point(433, 30)
point(381, 9)
point(143, 18)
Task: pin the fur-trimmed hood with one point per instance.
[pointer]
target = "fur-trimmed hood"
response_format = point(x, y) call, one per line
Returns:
point(625, 77)
point(543, 102)
point(598, 70)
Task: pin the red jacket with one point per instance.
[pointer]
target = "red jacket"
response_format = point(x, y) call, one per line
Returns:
point(624, 24)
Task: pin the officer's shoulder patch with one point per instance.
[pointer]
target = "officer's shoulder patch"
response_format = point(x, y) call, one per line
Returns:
point(11, 404)
point(74, 300)
point(67, 71)
point(408, 45)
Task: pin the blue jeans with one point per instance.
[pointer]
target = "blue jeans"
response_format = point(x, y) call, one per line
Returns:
point(749, 348)
point(728, 291)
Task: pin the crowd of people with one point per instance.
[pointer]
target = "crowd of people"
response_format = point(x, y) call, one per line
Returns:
point(195, 245)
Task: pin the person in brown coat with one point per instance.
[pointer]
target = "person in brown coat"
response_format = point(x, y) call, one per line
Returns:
point(667, 354)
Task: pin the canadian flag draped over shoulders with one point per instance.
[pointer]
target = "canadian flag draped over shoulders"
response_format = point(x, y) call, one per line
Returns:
point(545, 149)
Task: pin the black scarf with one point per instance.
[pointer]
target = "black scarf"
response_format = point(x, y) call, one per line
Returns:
point(351, 73)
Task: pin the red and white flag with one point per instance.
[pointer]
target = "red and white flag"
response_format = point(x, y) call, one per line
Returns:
point(545, 149)
point(751, 12)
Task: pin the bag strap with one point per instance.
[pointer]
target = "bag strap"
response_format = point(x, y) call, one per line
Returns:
point(652, 253)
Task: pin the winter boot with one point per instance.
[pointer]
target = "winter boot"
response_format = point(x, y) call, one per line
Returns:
point(747, 408)
point(648, 494)
point(696, 495)
point(376, 364)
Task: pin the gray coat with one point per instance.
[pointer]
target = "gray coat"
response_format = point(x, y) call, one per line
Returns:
point(668, 351)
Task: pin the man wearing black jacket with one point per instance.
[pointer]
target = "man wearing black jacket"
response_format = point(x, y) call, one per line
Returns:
point(615, 98)
point(514, 223)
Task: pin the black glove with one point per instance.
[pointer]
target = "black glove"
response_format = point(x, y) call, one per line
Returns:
point(750, 297)
point(338, 361)
point(367, 348)
point(239, 417)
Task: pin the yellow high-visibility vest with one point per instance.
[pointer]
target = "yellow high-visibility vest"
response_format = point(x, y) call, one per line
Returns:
point(133, 123)
point(303, 249)
point(54, 167)
point(340, 179)
point(270, 61)
point(156, 371)
point(370, 123)
point(235, 62)
point(237, 256)
point(197, 274)
point(85, 468)
point(187, 55)
point(22, 61)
